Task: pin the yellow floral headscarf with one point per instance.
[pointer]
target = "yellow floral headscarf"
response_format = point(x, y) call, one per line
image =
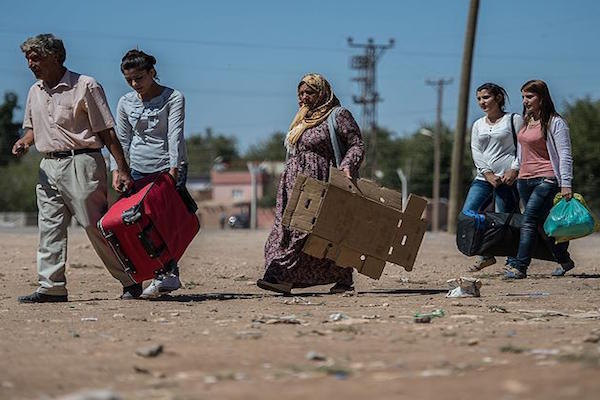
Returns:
point(307, 118)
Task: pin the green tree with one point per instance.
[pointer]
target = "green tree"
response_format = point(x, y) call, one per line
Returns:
point(414, 154)
point(271, 149)
point(17, 186)
point(207, 149)
point(583, 116)
point(9, 131)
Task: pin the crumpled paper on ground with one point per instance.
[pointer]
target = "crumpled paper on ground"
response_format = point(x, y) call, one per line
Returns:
point(464, 287)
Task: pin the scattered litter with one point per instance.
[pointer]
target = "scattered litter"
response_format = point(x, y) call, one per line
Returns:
point(118, 315)
point(529, 294)
point(425, 318)
point(301, 301)
point(314, 356)
point(374, 316)
point(464, 287)
point(337, 317)
point(141, 370)
point(273, 319)
point(150, 351)
point(89, 319)
point(498, 309)
point(544, 352)
point(97, 394)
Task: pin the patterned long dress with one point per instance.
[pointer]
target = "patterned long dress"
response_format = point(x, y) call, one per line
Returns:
point(284, 259)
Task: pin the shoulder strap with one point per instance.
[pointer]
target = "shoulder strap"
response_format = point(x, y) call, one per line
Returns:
point(512, 128)
point(335, 143)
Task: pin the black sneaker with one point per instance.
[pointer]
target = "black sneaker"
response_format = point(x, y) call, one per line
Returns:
point(562, 269)
point(37, 297)
point(132, 292)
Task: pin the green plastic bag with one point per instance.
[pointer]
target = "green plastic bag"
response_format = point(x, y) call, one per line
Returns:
point(569, 219)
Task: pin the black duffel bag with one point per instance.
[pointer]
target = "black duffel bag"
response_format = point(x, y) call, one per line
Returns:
point(495, 234)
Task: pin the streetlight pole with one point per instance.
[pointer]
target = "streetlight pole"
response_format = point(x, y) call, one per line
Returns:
point(404, 183)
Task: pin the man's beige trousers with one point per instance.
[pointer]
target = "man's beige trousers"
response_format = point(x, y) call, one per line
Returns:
point(71, 187)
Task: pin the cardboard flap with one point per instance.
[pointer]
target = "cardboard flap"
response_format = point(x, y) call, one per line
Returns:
point(409, 235)
point(367, 188)
point(338, 179)
point(415, 207)
point(372, 267)
point(320, 248)
point(406, 243)
point(307, 198)
point(293, 200)
point(344, 256)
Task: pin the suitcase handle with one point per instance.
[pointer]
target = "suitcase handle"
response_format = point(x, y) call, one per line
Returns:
point(132, 215)
point(150, 248)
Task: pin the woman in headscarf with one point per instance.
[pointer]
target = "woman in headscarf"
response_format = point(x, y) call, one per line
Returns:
point(310, 152)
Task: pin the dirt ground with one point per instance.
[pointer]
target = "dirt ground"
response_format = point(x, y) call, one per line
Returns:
point(223, 338)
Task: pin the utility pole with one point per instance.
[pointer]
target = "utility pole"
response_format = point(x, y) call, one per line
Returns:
point(366, 65)
point(435, 215)
point(458, 148)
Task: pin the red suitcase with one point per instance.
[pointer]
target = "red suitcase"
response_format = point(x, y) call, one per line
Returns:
point(150, 230)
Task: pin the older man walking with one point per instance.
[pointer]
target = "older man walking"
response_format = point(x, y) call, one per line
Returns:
point(68, 119)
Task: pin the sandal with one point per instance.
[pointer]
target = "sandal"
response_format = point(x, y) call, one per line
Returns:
point(341, 288)
point(481, 263)
point(278, 287)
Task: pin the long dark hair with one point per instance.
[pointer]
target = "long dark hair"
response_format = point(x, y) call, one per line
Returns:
point(137, 59)
point(495, 90)
point(547, 109)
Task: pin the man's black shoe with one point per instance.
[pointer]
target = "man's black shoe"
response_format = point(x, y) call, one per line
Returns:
point(37, 297)
point(132, 292)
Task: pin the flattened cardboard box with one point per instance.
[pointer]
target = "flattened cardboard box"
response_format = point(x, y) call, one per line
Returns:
point(356, 223)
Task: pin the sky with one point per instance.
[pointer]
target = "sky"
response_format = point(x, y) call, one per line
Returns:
point(238, 62)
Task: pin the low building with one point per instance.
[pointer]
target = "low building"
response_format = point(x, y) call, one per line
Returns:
point(235, 186)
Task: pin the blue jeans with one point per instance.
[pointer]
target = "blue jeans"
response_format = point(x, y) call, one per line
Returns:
point(481, 194)
point(537, 195)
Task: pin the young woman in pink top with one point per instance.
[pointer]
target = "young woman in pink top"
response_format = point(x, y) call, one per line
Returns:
point(544, 151)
